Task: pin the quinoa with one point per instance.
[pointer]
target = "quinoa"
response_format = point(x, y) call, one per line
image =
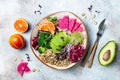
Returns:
point(49, 57)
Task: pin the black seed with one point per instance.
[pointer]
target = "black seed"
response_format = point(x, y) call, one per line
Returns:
point(39, 6)
point(62, 38)
point(35, 12)
point(38, 11)
point(90, 8)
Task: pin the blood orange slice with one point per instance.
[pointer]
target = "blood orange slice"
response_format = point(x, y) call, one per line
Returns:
point(51, 26)
point(21, 25)
point(48, 26)
point(44, 27)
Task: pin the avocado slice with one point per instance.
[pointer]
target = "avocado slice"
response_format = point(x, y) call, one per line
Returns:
point(55, 48)
point(58, 41)
point(107, 53)
point(62, 38)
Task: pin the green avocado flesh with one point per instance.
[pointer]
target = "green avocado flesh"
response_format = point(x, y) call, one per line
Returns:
point(111, 48)
point(58, 41)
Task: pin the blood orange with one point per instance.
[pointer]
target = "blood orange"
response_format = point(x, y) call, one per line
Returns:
point(48, 26)
point(21, 25)
point(17, 41)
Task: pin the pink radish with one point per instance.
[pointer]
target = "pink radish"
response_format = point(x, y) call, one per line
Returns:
point(23, 68)
point(63, 23)
point(77, 24)
point(80, 28)
point(71, 24)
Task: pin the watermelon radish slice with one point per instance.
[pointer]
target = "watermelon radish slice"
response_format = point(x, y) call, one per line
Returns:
point(60, 23)
point(71, 24)
point(77, 24)
point(23, 68)
point(63, 22)
point(80, 28)
point(66, 22)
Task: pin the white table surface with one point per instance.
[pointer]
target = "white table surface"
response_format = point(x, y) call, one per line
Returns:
point(13, 9)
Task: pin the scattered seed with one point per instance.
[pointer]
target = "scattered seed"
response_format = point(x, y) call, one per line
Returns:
point(97, 11)
point(85, 17)
point(95, 22)
point(39, 10)
point(15, 59)
point(35, 12)
point(83, 14)
point(90, 8)
point(28, 57)
point(38, 70)
point(93, 16)
point(33, 70)
point(39, 6)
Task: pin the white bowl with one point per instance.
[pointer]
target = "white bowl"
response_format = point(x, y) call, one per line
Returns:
point(58, 14)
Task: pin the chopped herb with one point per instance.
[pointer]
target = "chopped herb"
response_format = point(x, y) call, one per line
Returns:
point(41, 49)
point(50, 19)
point(44, 40)
point(53, 20)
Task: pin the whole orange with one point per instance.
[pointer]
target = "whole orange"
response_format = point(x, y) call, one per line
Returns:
point(17, 41)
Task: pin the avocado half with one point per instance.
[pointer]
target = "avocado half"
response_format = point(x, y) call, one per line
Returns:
point(107, 53)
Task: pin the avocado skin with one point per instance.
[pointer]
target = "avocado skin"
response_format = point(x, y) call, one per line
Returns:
point(112, 55)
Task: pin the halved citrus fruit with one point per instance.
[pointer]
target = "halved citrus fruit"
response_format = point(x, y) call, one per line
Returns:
point(44, 27)
point(48, 26)
point(21, 25)
point(51, 26)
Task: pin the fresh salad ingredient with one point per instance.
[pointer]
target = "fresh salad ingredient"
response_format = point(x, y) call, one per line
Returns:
point(53, 20)
point(48, 26)
point(21, 25)
point(34, 42)
point(75, 53)
point(64, 52)
point(44, 38)
point(58, 41)
point(107, 53)
point(50, 58)
point(63, 22)
point(70, 24)
point(17, 41)
point(80, 28)
point(76, 26)
point(23, 68)
point(76, 38)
